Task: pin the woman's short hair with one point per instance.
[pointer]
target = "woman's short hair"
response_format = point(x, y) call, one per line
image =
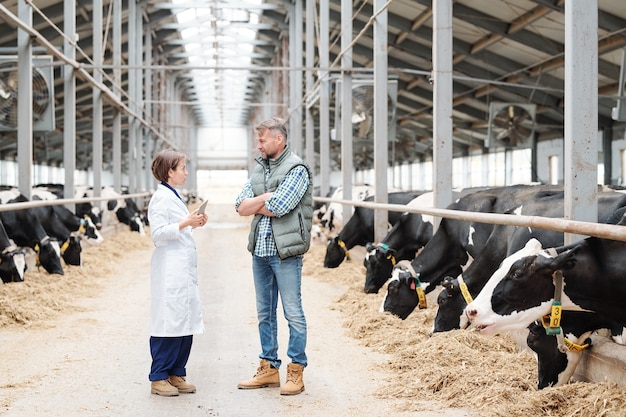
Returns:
point(274, 125)
point(165, 160)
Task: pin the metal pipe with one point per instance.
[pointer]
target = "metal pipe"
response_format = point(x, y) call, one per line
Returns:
point(61, 201)
point(601, 230)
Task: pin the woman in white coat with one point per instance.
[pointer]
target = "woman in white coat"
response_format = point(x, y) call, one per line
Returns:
point(175, 314)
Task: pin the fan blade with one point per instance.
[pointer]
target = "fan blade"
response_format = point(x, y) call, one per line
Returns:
point(504, 135)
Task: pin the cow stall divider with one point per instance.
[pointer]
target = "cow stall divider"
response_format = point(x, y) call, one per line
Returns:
point(607, 360)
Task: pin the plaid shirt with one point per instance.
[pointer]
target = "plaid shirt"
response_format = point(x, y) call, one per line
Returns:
point(285, 198)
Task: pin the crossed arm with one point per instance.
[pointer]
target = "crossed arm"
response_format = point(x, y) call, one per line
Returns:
point(255, 205)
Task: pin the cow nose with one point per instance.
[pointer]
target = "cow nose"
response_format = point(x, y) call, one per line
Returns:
point(470, 312)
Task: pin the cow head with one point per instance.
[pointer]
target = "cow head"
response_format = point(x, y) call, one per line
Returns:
point(12, 264)
point(401, 298)
point(450, 305)
point(379, 262)
point(555, 367)
point(519, 292)
point(70, 251)
point(336, 252)
point(91, 211)
point(48, 254)
point(551, 362)
point(90, 231)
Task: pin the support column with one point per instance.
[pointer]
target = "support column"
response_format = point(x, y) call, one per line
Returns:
point(97, 97)
point(117, 89)
point(442, 104)
point(346, 105)
point(310, 61)
point(581, 112)
point(324, 97)
point(24, 102)
point(381, 121)
point(69, 100)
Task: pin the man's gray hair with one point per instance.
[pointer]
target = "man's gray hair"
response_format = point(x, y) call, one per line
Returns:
point(275, 124)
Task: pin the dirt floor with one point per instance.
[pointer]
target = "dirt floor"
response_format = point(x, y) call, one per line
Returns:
point(87, 355)
point(77, 345)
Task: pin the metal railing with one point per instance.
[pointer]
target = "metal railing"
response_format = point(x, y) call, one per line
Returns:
point(62, 201)
point(601, 230)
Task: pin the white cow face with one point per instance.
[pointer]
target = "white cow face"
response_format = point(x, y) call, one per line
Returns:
point(480, 312)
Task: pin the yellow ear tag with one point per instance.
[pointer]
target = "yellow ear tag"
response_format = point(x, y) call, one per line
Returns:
point(420, 293)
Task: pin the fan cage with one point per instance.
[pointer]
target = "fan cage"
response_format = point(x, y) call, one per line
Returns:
point(362, 130)
point(42, 93)
point(496, 108)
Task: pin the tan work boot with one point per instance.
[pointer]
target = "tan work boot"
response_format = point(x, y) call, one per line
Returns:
point(266, 376)
point(182, 385)
point(164, 388)
point(294, 384)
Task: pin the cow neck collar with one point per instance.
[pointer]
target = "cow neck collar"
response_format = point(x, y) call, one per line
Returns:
point(342, 245)
point(171, 188)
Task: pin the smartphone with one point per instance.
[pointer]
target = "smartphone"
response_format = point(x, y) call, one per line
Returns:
point(202, 207)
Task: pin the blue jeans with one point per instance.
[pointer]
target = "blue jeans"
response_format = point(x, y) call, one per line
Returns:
point(273, 276)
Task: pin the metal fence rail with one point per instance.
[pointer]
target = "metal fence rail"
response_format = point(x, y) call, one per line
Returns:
point(601, 230)
point(62, 201)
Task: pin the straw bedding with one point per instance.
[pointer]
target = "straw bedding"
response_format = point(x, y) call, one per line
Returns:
point(43, 296)
point(490, 376)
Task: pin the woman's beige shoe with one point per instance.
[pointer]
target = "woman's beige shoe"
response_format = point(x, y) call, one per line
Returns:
point(181, 384)
point(164, 388)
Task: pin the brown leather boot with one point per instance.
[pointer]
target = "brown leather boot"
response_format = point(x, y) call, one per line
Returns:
point(182, 385)
point(164, 388)
point(266, 376)
point(294, 384)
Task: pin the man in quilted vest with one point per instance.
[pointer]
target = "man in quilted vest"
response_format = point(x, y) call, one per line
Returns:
point(279, 195)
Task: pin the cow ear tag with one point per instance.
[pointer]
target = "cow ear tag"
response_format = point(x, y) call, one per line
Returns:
point(555, 313)
point(420, 292)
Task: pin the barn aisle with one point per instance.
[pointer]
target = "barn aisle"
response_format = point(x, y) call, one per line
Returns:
point(94, 361)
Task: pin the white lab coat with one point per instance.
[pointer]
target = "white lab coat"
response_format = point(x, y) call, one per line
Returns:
point(175, 299)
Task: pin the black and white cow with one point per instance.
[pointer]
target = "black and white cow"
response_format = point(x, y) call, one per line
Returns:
point(555, 367)
point(410, 233)
point(119, 210)
point(359, 230)
point(25, 229)
point(70, 245)
point(328, 219)
point(12, 259)
point(79, 225)
point(522, 290)
point(456, 243)
point(505, 240)
point(82, 210)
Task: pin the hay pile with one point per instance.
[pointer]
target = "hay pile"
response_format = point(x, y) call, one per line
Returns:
point(459, 368)
point(43, 296)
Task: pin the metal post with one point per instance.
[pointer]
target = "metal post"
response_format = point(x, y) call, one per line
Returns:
point(97, 97)
point(346, 105)
point(117, 89)
point(381, 125)
point(310, 60)
point(581, 112)
point(442, 103)
point(25, 102)
point(324, 97)
point(69, 100)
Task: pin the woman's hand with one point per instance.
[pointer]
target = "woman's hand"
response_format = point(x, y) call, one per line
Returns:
point(194, 220)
